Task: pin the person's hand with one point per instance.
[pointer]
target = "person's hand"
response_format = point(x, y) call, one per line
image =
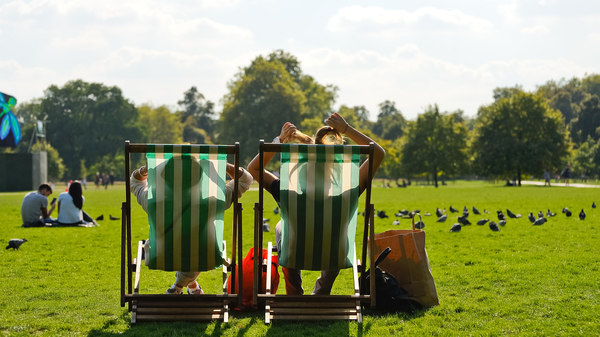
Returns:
point(287, 130)
point(337, 122)
point(144, 170)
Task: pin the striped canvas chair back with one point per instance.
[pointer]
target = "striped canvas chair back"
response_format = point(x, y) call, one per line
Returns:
point(319, 202)
point(186, 204)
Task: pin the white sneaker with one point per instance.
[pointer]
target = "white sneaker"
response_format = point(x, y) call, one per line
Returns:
point(173, 291)
point(197, 291)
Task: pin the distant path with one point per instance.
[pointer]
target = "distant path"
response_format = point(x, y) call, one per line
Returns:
point(541, 183)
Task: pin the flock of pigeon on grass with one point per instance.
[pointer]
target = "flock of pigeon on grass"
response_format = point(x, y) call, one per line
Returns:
point(464, 221)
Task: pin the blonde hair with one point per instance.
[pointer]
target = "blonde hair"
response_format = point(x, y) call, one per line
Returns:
point(328, 136)
point(325, 135)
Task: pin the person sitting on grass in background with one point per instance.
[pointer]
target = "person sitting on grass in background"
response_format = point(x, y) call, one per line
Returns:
point(34, 208)
point(330, 134)
point(70, 204)
point(139, 187)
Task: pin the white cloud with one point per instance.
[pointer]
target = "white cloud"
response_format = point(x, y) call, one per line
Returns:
point(534, 31)
point(387, 20)
point(415, 80)
point(508, 11)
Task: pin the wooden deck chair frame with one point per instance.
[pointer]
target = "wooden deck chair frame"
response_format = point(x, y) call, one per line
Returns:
point(162, 307)
point(307, 307)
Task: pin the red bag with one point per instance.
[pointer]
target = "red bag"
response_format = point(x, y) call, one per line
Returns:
point(248, 277)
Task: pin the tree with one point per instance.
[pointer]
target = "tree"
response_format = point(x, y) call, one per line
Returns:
point(585, 158)
point(517, 135)
point(506, 92)
point(435, 144)
point(88, 121)
point(319, 98)
point(261, 98)
point(587, 123)
point(162, 126)
point(591, 84)
point(201, 110)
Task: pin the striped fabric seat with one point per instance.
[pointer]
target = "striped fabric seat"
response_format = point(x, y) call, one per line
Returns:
point(319, 193)
point(186, 204)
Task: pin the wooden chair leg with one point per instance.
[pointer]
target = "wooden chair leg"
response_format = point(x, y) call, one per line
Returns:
point(138, 267)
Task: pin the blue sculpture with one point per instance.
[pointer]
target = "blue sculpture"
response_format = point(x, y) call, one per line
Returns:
point(10, 131)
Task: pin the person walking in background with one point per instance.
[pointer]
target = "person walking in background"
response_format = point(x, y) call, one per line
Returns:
point(97, 180)
point(547, 177)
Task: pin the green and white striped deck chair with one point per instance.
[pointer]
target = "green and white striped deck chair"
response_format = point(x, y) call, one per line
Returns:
point(319, 205)
point(319, 191)
point(186, 206)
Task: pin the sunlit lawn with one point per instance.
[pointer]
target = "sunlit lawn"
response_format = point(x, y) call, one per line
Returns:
point(526, 280)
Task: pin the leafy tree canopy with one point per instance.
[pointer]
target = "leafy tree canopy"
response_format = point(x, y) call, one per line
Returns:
point(518, 134)
point(435, 144)
point(87, 121)
point(265, 95)
point(161, 126)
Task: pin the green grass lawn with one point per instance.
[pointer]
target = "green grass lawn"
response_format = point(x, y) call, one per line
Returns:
point(525, 280)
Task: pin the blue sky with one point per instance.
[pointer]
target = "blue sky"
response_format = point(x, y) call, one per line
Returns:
point(453, 53)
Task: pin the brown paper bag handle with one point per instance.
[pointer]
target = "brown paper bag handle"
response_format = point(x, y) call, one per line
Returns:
point(413, 220)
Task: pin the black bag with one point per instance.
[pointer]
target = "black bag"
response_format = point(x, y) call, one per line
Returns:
point(390, 296)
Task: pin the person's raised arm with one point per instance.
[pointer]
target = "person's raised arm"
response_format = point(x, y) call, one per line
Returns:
point(341, 126)
point(287, 130)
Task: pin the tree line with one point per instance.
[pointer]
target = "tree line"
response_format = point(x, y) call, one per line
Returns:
point(518, 133)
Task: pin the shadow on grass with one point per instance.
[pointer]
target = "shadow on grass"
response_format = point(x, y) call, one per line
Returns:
point(244, 321)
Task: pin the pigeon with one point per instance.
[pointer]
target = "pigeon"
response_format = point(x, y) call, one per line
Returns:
point(593, 205)
point(540, 214)
point(420, 225)
point(485, 211)
point(582, 215)
point(396, 222)
point(101, 217)
point(482, 222)
point(276, 210)
point(531, 217)
point(398, 214)
point(403, 212)
point(550, 214)
point(511, 214)
point(539, 221)
point(442, 218)
point(438, 212)
point(265, 220)
point(266, 227)
point(494, 227)
point(502, 223)
point(466, 214)
point(15, 243)
point(113, 217)
point(455, 228)
point(463, 221)
point(567, 212)
point(476, 211)
point(465, 210)
point(452, 209)
point(382, 215)
point(501, 215)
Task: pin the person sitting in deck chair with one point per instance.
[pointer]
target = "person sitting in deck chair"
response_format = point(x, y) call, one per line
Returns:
point(139, 187)
point(330, 134)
